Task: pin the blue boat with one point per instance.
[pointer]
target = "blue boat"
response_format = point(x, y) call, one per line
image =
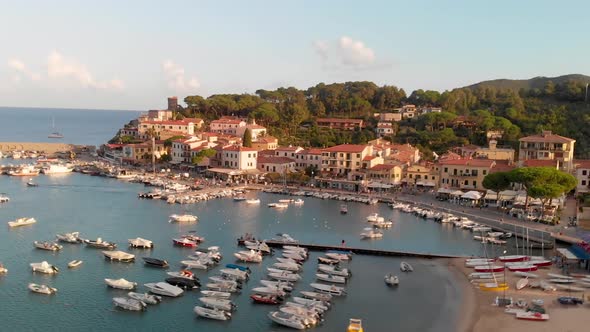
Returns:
point(239, 267)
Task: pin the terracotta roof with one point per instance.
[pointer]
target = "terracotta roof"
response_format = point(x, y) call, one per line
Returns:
point(468, 162)
point(273, 160)
point(382, 167)
point(255, 126)
point(502, 166)
point(348, 148)
point(168, 122)
point(266, 152)
point(539, 163)
point(114, 146)
point(582, 163)
point(288, 148)
point(238, 148)
point(337, 120)
point(311, 151)
point(226, 121)
point(547, 137)
point(369, 158)
point(449, 155)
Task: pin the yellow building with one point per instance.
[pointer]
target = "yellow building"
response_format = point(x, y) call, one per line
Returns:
point(342, 159)
point(422, 175)
point(464, 173)
point(388, 174)
point(265, 143)
point(548, 146)
point(143, 152)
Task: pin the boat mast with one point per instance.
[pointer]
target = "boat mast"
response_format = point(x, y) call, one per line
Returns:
point(153, 155)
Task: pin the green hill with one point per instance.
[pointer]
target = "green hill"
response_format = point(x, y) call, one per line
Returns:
point(533, 83)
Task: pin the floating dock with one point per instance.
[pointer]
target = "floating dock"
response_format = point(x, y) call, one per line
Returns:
point(360, 251)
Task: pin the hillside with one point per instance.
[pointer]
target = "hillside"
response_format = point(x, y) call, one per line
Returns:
point(533, 83)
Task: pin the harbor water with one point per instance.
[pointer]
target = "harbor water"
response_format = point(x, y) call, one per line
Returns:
point(426, 300)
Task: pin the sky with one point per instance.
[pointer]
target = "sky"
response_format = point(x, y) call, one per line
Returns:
point(131, 55)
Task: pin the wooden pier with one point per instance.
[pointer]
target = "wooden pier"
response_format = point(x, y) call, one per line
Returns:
point(360, 251)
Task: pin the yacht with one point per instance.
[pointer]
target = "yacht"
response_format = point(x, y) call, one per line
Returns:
point(56, 169)
point(22, 222)
point(289, 320)
point(162, 288)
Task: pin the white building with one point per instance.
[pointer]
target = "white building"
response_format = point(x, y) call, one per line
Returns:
point(582, 174)
point(181, 149)
point(275, 164)
point(307, 158)
point(255, 130)
point(238, 157)
point(384, 128)
point(227, 125)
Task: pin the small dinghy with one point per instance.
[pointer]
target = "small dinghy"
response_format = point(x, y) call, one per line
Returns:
point(183, 283)
point(217, 303)
point(51, 246)
point(145, 297)
point(120, 283)
point(235, 274)
point(99, 243)
point(391, 280)
point(522, 283)
point(74, 263)
point(219, 295)
point(42, 289)
point(155, 262)
point(129, 304)
point(212, 313)
point(406, 267)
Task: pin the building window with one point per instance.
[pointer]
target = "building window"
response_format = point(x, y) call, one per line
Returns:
point(583, 182)
point(446, 170)
point(584, 172)
point(484, 172)
point(474, 184)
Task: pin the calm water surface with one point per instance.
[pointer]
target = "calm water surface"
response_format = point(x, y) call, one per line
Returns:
point(426, 300)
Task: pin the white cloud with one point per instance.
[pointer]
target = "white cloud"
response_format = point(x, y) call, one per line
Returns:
point(176, 77)
point(59, 67)
point(21, 69)
point(345, 53)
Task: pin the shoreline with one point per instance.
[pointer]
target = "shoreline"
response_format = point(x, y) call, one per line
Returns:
point(466, 316)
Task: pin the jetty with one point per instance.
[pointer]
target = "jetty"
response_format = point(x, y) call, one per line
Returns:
point(360, 251)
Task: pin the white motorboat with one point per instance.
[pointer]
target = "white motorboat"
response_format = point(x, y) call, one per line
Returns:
point(222, 287)
point(338, 256)
point(192, 264)
point(228, 282)
point(42, 289)
point(288, 266)
point(99, 243)
point(285, 276)
point(334, 270)
point(383, 224)
point(162, 288)
point(182, 274)
point(249, 256)
point(275, 270)
point(308, 317)
point(391, 280)
point(22, 222)
point(328, 261)
point(140, 243)
point(325, 305)
point(316, 296)
point(129, 304)
point(3, 269)
point(297, 256)
point(145, 297)
point(318, 309)
point(56, 169)
point(286, 286)
point(278, 205)
point(220, 295)
point(287, 320)
point(51, 246)
point(235, 274)
point(285, 238)
point(295, 248)
point(73, 237)
point(44, 267)
point(120, 283)
point(217, 314)
point(4, 198)
point(183, 218)
point(375, 218)
point(268, 291)
point(285, 201)
point(370, 233)
point(74, 263)
point(330, 289)
point(330, 278)
point(526, 274)
point(117, 255)
point(298, 201)
point(287, 260)
point(406, 267)
point(253, 201)
point(217, 303)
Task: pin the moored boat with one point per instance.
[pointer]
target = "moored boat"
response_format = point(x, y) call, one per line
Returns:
point(184, 242)
point(129, 303)
point(221, 295)
point(217, 314)
point(99, 243)
point(331, 278)
point(42, 289)
point(288, 320)
point(330, 289)
point(217, 303)
point(73, 237)
point(120, 283)
point(74, 263)
point(186, 284)
point(140, 243)
point(406, 267)
point(44, 267)
point(162, 288)
point(117, 255)
point(145, 297)
point(267, 299)
point(391, 280)
point(316, 296)
point(489, 268)
point(513, 258)
point(183, 218)
point(155, 262)
point(51, 246)
point(22, 222)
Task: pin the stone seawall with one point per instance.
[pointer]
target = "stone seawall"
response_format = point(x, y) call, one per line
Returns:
point(48, 148)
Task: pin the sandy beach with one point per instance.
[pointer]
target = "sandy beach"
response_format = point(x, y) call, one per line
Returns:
point(481, 316)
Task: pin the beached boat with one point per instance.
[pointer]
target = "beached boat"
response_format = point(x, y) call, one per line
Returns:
point(120, 283)
point(406, 267)
point(74, 263)
point(330, 278)
point(541, 263)
point(129, 304)
point(288, 320)
point(235, 274)
point(513, 258)
point(391, 280)
point(217, 294)
point(44, 267)
point(531, 315)
point(330, 289)
point(183, 218)
point(162, 288)
point(526, 274)
point(155, 262)
point(493, 286)
point(559, 276)
point(51, 246)
point(73, 237)
point(569, 288)
point(561, 281)
point(117, 255)
point(522, 283)
point(99, 243)
point(217, 303)
point(145, 297)
point(140, 243)
point(22, 222)
point(489, 268)
point(525, 267)
point(217, 314)
point(184, 242)
point(42, 289)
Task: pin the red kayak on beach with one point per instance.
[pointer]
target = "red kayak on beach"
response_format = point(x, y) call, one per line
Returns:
point(513, 258)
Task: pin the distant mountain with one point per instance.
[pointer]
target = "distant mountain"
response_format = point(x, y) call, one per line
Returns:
point(533, 83)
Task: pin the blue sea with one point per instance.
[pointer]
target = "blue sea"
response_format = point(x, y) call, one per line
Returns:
point(426, 300)
point(79, 126)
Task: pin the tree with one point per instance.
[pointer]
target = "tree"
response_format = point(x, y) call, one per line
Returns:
point(544, 183)
point(497, 182)
point(206, 153)
point(247, 138)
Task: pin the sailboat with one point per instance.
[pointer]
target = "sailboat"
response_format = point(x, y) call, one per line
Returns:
point(54, 134)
